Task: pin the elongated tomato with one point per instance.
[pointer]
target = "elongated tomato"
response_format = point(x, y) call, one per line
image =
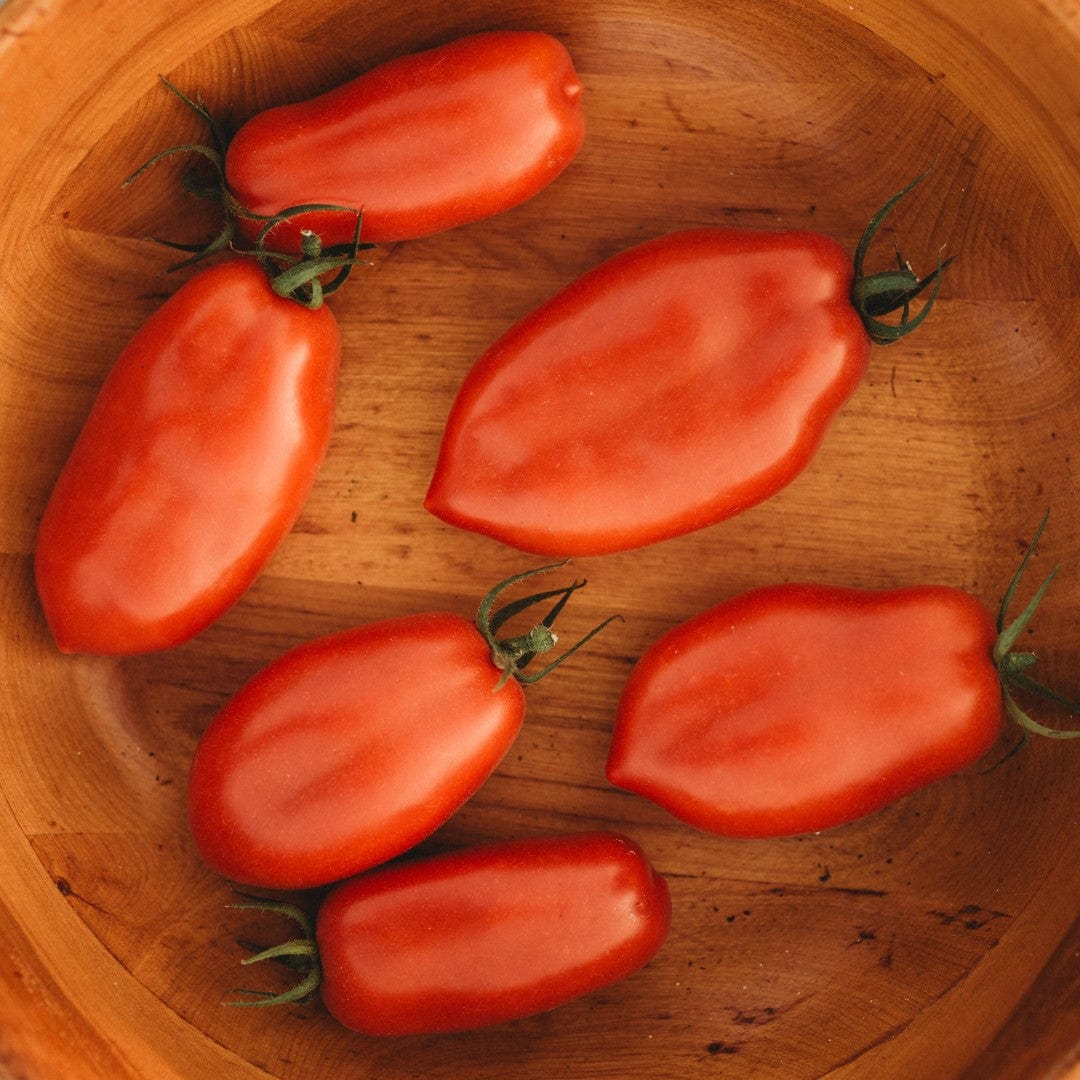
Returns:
point(350, 750)
point(423, 143)
point(488, 934)
point(674, 385)
point(193, 464)
point(796, 708)
point(347, 751)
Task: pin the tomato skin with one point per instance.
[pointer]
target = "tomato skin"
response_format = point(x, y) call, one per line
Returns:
point(490, 934)
point(672, 386)
point(796, 708)
point(348, 750)
point(423, 143)
point(193, 464)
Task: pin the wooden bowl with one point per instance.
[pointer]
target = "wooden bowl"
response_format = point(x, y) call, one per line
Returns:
point(938, 938)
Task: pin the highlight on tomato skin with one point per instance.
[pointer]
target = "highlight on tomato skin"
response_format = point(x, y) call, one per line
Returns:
point(420, 144)
point(479, 936)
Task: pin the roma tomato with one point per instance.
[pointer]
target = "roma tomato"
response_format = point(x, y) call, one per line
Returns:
point(795, 708)
point(674, 385)
point(423, 143)
point(482, 936)
point(350, 749)
point(193, 464)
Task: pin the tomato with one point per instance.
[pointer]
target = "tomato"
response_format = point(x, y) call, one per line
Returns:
point(672, 386)
point(348, 750)
point(485, 935)
point(423, 143)
point(795, 708)
point(193, 464)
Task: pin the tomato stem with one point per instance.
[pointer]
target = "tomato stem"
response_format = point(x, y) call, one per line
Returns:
point(511, 655)
point(303, 952)
point(1012, 666)
point(886, 291)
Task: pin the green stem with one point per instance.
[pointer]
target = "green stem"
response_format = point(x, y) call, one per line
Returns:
point(1013, 667)
point(217, 133)
point(303, 953)
point(510, 655)
point(887, 291)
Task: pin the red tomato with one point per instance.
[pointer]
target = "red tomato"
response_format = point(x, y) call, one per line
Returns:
point(674, 385)
point(193, 464)
point(795, 708)
point(486, 935)
point(350, 749)
point(423, 143)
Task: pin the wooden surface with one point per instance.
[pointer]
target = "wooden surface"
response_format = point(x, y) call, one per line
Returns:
point(936, 939)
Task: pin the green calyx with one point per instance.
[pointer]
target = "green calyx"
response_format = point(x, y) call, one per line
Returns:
point(301, 954)
point(511, 655)
point(299, 278)
point(1014, 667)
point(887, 291)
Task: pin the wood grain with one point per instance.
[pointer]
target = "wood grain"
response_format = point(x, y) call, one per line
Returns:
point(937, 938)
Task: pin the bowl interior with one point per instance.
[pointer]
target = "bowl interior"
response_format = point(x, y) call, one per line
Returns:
point(912, 936)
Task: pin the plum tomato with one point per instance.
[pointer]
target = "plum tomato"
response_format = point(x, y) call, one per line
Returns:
point(479, 936)
point(193, 464)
